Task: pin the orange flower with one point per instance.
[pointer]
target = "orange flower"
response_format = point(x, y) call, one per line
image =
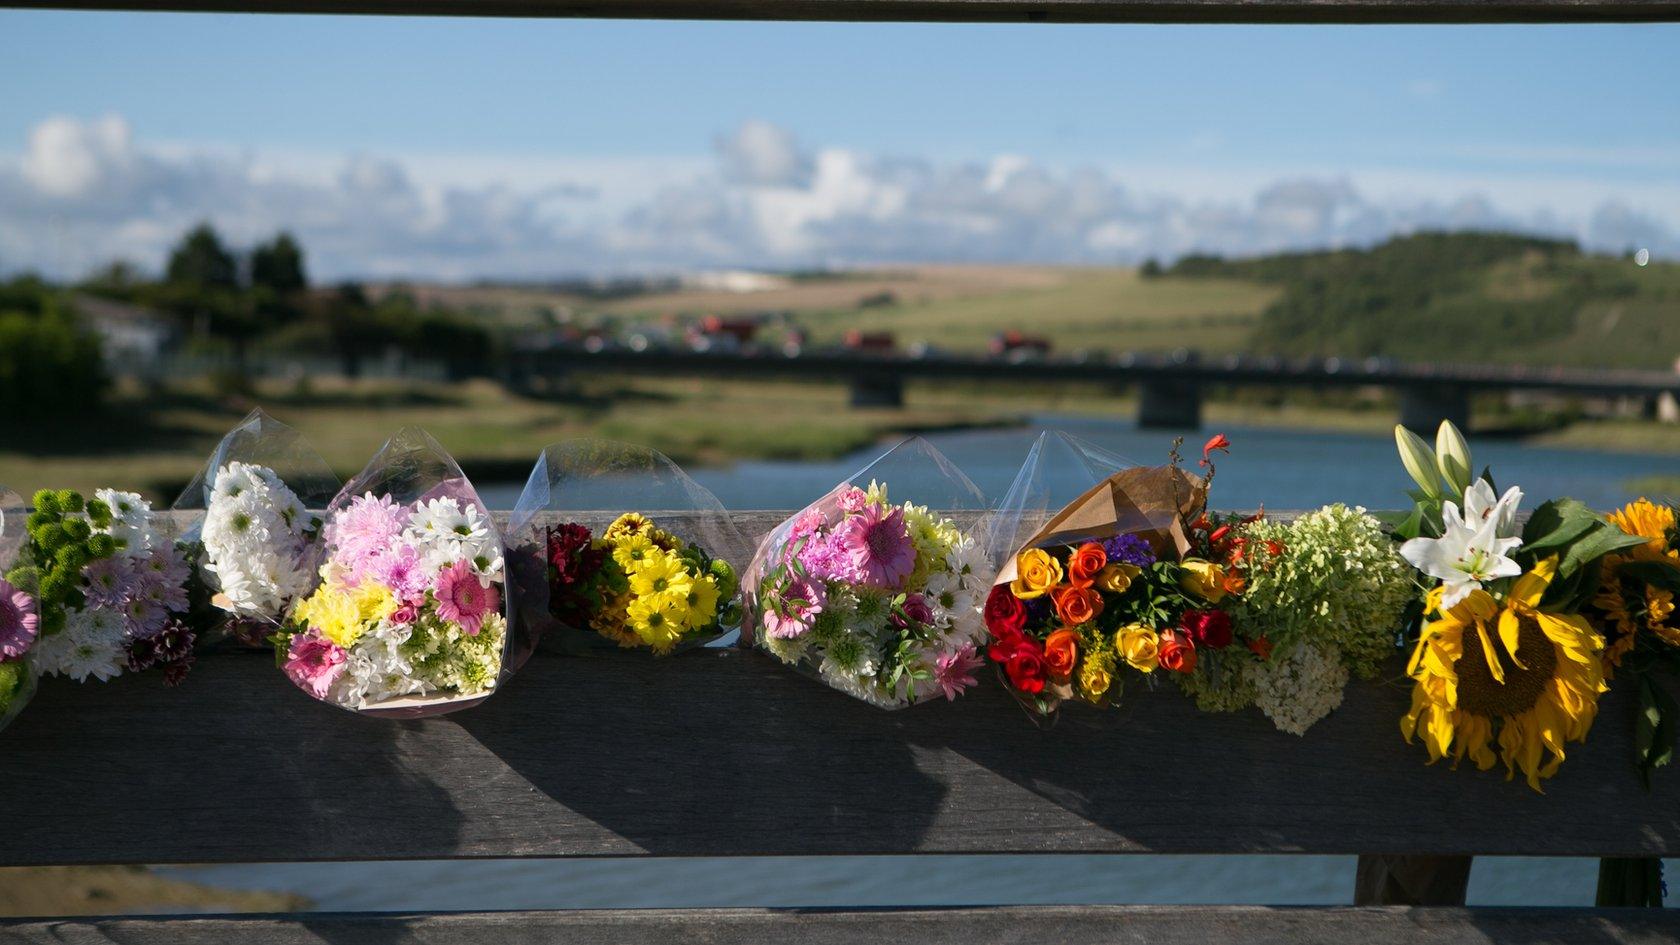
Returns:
point(1077, 605)
point(1061, 652)
point(1084, 564)
point(1234, 582)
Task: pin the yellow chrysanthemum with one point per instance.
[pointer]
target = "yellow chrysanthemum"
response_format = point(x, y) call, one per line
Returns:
point(630, 523)
point(700, 603)
point(630, 550)
point(611, 622)
point(1510, 672)
point(660, 572)
point(374, 601)
point(334, 613)
point(656, 621)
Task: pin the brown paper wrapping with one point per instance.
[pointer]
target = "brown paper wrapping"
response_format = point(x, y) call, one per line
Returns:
point(1155, 502)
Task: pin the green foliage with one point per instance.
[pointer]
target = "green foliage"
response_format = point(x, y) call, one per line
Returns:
point(1579, 538)
point(201, 261)
point(12, 678)
point(278, 266)
point(47, 361)
point(60, 544)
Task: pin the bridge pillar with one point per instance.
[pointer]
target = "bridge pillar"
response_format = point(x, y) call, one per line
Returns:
point(1172, 403)
point(1423, 408)
point(878, 390)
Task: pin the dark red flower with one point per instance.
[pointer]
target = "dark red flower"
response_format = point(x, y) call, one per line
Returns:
point(1026, 666)
point(1207, 628)
point(170, 648)
point(1005, 614)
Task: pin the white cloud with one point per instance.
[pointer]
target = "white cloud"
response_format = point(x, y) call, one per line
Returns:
point(84, 192)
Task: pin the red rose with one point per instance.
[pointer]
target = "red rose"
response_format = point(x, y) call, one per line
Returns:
point(1026, 666)
point(1005, 615)
point(1207, 628)
point(1003, 647)
point(1176, 652)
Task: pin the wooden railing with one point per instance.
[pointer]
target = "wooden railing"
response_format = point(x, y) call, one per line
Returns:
point(724, 752)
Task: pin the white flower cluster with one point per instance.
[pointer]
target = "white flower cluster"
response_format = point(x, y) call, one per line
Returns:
point(131, 522)
point(447, 531)
point(256, 541)
point(1297, 688)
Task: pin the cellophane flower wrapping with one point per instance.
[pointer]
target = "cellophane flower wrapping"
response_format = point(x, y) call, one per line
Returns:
point(411, 615)
point(1089, 551)
point(107, 583)
point(251, 522)
point(19, 616)
point(876, 587)
point(613, 545)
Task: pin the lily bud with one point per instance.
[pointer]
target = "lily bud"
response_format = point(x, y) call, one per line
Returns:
point(1453, 457)
point(1419, 461)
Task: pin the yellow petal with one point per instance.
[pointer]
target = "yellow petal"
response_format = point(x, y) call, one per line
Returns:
point(1532, 586)
point(1489, 656)
point(1510, 627)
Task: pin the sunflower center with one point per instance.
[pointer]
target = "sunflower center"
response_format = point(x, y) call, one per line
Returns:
point(1479, 693)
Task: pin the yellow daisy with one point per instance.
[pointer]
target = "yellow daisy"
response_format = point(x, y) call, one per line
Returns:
point(1511, 672)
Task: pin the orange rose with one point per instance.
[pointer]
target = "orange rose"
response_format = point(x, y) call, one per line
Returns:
point(1061, 652)
point(1084, 564)
point(1077, 605)
point(1176, 652)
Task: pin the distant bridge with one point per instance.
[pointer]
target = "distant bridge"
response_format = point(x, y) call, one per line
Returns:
point(1170, 387)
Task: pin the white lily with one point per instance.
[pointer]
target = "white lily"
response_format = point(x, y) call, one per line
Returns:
point(1475, 544)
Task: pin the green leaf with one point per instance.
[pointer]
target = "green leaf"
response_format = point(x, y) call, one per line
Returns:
point(1659, 574)
point(1653, 732)
point(1557, 523)
point(1595, 545)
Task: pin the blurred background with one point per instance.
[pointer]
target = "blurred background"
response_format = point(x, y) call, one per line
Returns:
point(766, 249)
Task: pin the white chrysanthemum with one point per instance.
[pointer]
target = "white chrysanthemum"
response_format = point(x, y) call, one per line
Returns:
point(131, 522)
point(1297, 688)
point(256, 541)
point(787, 649)
point(376, 669)
point(863, 687)
point(446, 531)
point(91, 644)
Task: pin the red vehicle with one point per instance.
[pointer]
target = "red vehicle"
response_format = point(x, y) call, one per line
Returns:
point(733, 332)
point(874, 342)
point(1013, 342)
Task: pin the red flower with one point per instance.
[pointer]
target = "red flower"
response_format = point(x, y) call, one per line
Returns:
point(1218, 443)
point(1026, 666)
point(1261, 648)
point(1005, 615)
point(1176, 653)
point(1209, 628)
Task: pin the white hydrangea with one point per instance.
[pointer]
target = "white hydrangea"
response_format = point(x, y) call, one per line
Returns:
point(1297, 688)
point(256, 541)
point(131, 522)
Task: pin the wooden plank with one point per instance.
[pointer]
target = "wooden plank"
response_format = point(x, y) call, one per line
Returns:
point(726, 752)
point(999, 11)
point(1101, 925)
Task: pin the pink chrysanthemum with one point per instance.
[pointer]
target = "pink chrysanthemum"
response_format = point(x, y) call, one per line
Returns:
point(852, 499)
point(364, 528)
point(399, 568)
point(954, 671)
point(879, 546)
point(18, 622)
point(463, 599)
point(314, 663)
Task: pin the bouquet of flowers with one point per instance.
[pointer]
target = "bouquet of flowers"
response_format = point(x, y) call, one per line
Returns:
point(109, 589)
point(880, 601)
point(1506, 667)
point(1135, 579)
point(643, 581)
point(407, 618)
point(19, 620)
point(1635, 606)
point(253, 535)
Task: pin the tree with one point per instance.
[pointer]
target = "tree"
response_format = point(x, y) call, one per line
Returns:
point(278, 265)
point(200, 260)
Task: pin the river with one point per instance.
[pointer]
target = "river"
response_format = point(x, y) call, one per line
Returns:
point(1280, 468)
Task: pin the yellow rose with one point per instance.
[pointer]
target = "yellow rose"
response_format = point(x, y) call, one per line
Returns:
point(1139, 646)
point(1036, 572)
point(1116, 578)
point(1203, 579)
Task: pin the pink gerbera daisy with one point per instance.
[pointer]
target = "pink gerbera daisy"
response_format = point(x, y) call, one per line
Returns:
point(314, 663)
point(18, 622)
point(954, 671)
point(463, 599)
point(879, 545)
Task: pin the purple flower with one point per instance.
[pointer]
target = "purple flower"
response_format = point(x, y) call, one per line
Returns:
point(362, 529)
point(825, 558)
point(171, 647)
point(954, 671)
point(917, 609)
point(144, 616)
point(399, 568)
point(878, 545)
point(18, 622)
point(314, 663)
point(1129, 549)
point(109, 580)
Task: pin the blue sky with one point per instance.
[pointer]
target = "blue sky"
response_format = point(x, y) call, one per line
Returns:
point(629, 128)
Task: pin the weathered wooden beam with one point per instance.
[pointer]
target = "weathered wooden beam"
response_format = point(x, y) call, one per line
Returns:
point(726, 752)
point(1098, 925)
point(998, 11)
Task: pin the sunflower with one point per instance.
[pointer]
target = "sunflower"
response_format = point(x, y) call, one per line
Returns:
point(1629, 605)
point(1510, 672)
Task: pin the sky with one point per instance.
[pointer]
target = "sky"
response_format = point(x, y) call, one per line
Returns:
point(468, 148)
